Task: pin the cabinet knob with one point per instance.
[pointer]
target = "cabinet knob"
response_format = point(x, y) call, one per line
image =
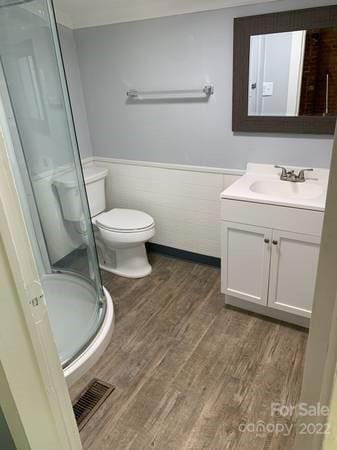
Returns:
point(266, 241)
point(275, 242)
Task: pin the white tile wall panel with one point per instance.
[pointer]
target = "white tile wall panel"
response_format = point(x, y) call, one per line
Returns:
point(183, 200)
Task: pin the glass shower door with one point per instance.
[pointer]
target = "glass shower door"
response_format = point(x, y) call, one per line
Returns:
point(35, 98)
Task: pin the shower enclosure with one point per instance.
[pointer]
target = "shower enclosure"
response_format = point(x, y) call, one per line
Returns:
point(36, 115)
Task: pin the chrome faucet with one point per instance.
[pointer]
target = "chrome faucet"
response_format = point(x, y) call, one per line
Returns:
point(290, 175)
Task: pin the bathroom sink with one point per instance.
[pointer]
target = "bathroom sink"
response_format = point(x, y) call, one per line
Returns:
point(278, 188)
point(261, 184)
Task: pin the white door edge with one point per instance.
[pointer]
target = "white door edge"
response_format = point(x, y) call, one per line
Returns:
point(32, 308)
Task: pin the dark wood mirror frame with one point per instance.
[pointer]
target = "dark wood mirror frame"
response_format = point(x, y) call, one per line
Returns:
point(244, 28)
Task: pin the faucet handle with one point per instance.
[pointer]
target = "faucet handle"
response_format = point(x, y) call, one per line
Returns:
point(284, 170)
point(301, 173)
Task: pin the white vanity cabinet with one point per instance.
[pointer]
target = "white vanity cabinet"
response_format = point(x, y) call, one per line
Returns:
point(269, 257)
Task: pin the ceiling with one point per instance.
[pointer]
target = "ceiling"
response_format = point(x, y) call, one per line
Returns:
point(88, 13)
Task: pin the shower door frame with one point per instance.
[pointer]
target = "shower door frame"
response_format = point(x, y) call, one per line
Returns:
point(75, 146)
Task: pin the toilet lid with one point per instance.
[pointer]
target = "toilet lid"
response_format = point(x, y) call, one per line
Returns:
point(126, 220)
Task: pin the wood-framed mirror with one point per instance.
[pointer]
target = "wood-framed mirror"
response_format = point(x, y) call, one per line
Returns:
point(285, 72)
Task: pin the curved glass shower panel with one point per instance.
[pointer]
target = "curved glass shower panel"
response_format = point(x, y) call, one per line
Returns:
point(37, 106)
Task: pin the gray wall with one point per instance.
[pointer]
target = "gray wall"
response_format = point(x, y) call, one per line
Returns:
point(178, 52)
point(6, 441)
point(69, 53)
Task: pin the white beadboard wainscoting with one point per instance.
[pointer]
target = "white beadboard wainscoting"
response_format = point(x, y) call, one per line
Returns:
point(183, 200)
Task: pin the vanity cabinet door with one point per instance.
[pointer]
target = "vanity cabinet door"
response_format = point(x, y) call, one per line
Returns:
point(245, 261)
point(293, 270)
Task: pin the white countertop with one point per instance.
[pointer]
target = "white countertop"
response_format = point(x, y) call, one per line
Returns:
point(264, 177)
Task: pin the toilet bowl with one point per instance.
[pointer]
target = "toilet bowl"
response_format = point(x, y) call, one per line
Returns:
point(120, 238)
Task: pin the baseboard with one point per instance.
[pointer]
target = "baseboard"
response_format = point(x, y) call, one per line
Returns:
point(183, 254)
point(276, 314)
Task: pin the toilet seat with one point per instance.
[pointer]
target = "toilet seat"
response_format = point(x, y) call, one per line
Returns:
point(124, 220)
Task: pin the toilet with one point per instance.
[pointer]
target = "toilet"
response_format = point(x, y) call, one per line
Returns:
point(120, 233)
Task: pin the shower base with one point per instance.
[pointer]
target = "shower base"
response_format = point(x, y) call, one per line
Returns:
point(78, 328)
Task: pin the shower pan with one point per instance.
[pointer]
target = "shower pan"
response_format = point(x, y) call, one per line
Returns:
point(36, 118)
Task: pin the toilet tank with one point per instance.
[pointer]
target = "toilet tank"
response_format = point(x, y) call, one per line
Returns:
point(94, 178)
point(69, 195)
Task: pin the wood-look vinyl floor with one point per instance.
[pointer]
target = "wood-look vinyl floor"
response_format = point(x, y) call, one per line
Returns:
point(189, 371)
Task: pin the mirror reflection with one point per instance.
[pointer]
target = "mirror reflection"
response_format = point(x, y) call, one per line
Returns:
point(293, 73)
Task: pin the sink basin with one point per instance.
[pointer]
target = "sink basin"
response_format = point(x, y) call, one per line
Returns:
point(261, 184)
point(286, 189)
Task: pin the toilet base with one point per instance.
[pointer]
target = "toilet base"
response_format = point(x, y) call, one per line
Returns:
point(128, 262)
point(126, 274)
